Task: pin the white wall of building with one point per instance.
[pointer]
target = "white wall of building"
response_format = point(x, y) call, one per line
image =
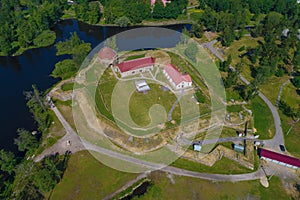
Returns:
point(181, 85)
point(137, 71)
point(280, 163)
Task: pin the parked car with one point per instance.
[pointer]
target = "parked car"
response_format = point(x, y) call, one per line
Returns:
point(282, 148)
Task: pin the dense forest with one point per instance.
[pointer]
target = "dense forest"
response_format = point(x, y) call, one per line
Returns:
point(137, 11)
point(27, 24)
point(20, 176)
point(276, 26)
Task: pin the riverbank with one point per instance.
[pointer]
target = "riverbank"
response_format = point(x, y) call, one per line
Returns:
point(155, 23)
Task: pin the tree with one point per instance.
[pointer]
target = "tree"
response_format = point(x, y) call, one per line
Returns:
point(94, 13)
point(21, 27)
point(7, 161)
point(197, 30)
point(109, 16)
point(25, 140)
point(123, 21)
point(138, 11)
point(82, 10)
point(44, 39)
point(228, 36)
point(80, 53)
point(286, 109)
point(44, 181)
point(68, 46)
point(296, 81)
point(224, 66)
point(23, 187)
point(78, 49)
point(247, 92)
point(231, 79)
point(65, 69)
point(38, 107)
point(184, 36)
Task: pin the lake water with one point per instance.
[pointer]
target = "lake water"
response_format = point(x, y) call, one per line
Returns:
point(17, 74)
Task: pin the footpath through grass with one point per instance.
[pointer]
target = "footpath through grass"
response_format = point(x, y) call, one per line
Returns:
point(67, 87)
point(271, 88)
point(86, 178)
point(133, 57)
point(140, 104)
point(223, 166)
point(191, 188)
point(292, 137)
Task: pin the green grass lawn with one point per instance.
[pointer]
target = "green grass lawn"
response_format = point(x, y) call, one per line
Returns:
point(104, 93)
point(140, 104)
point(223, 166)
point(233, 94)
point(67, 87)
point(263, 118)
point(192, 188)
point(65, 108)
point(228, 132)
point(86, 178)
point(135, 57)
point(290, 96)
point(271, 88)
point(233, 50)
point(53, 133)
point(234, 108)
point(292, 139)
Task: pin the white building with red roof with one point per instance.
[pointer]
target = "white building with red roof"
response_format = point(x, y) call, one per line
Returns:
point(176, 79)
point(136, 66)
point(278, 158)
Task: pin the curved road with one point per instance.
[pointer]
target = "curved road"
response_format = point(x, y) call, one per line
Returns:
point(78, 144)
point(278, 137)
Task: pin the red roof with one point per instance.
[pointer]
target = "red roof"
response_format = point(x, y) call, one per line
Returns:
point(279, 157)
point(175, 75)
point(136, 64)
point(106, 53)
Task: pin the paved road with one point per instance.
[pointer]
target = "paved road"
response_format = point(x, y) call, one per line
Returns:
point(61, 145)
point(77, 145)
point(124, 187)
point(278, 137)
point(174, 105)
point(173, 170)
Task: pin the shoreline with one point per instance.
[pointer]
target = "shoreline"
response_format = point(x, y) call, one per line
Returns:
point(143, 24)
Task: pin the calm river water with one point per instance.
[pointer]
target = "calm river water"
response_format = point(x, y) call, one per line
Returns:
point(17, 74)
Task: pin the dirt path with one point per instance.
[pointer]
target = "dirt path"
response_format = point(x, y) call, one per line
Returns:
point(278, 137)
point(127, 185)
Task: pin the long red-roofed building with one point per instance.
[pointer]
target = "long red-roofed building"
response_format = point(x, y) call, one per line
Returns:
point(176, 79)
point(278, 158)
point(132, 67)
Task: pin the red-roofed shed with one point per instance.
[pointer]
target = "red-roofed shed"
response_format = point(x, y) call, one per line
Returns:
point(177, 80)
point(106, 53)
point(139, 65)
point(279, 158)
